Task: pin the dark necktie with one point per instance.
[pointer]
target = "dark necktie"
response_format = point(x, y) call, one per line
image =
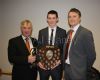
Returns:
point(51, 37)
point(68, 43)
point(27, 44)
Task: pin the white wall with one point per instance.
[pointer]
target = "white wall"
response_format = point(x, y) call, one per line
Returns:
point(14, 11)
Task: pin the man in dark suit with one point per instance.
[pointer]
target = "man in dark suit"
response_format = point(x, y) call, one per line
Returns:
point(79, 50)
point(52, 35)
point(19, 54)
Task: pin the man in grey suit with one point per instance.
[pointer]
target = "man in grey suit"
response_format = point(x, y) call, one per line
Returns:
point(79, 50)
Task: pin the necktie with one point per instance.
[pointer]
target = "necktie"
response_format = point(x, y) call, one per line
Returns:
point(51, 38)
point(27, 44)
point(68, 42)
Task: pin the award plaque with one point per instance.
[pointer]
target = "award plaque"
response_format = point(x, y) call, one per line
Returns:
point(49, 56)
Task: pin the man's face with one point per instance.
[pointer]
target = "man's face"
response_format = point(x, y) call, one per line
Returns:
point(52, 20)
point(73, 19)
point(26, 29)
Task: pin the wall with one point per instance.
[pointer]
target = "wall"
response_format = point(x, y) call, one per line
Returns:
point(12, 12)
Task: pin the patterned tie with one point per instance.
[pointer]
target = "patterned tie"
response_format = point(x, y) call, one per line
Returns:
point(27, 44)
point(68, 42)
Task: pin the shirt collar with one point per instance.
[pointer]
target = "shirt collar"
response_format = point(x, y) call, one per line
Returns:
point(75, 27)
point(24, 37)
point(53, 28)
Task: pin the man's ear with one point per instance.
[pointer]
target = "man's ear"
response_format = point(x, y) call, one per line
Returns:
point(57, 20)
point(80, 19)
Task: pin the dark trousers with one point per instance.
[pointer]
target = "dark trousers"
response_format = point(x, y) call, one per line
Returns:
point(56, 74)
point(24, 73)
point(68, 72)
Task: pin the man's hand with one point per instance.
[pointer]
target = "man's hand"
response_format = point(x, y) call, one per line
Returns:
point(41, 66)
point(57, 64)
point(31, 59)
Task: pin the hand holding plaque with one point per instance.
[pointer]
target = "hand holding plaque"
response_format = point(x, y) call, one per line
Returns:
point(49, 55)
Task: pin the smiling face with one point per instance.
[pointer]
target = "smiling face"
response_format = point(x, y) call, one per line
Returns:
point(26, 29)
point(73, 19)
point(52, 20)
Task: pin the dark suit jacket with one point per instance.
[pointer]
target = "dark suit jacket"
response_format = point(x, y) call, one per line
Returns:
point(59, 38)
point(82, 53)
point(18, 57)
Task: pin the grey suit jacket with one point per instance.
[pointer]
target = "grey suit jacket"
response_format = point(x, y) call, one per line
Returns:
point(82, 53)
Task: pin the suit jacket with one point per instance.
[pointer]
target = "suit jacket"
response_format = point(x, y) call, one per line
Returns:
point(82, 53)
point(59, 38)
point(18, 57)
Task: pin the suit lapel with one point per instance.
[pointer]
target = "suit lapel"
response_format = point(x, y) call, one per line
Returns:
point(76, 35)
point(32, 41)
point(46, 38)
point(56, 35)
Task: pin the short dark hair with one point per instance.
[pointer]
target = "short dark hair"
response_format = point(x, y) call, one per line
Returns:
point(76, 11)
point(52, 12)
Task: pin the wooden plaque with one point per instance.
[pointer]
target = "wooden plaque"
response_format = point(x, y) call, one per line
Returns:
point(49, 56)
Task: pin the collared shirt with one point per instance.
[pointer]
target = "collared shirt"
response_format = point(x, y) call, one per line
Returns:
point(54, 34)
point(30, 41)
point(75, 28)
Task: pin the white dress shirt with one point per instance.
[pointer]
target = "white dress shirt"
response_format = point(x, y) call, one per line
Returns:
point(30, 41)
point(75, 28)
point(54, 34)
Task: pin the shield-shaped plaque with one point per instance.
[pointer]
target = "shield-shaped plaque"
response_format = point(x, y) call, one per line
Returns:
point(49, 56)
